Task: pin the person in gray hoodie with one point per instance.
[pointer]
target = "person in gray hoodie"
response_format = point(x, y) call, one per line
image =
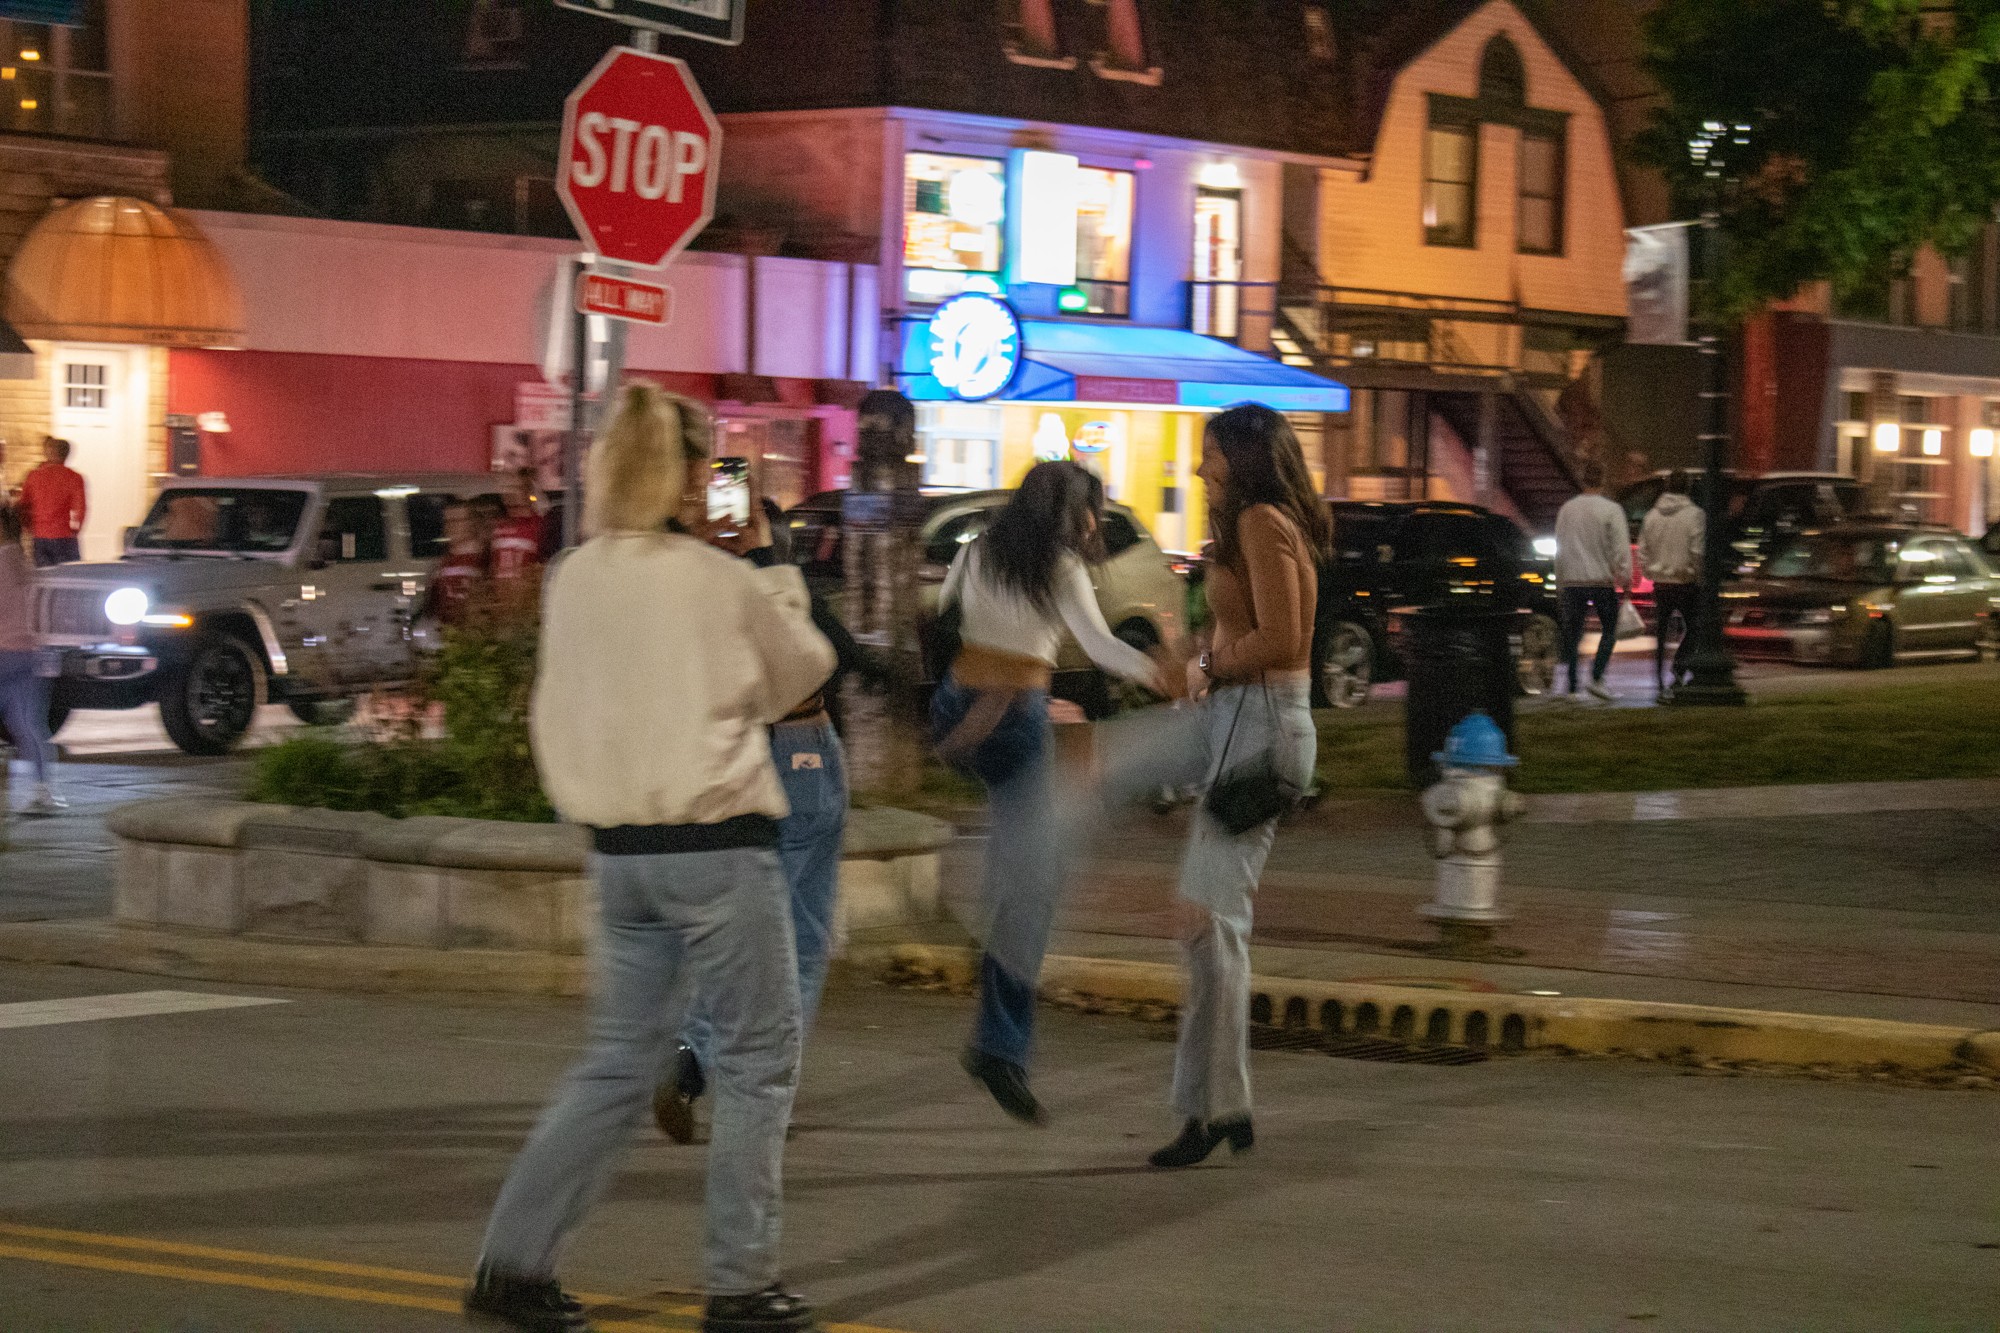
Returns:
point(1593, 563)
point(1670, 553)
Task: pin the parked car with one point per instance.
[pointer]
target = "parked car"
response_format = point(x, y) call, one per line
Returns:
point(1138, 589)
point(1423, 553)
point(1868, 594)
point(236, 592)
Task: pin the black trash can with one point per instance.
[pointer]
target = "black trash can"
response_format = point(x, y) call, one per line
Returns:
point(1459, 660)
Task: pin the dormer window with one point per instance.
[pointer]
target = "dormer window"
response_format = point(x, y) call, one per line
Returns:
point(1503, 79)
point(1112, 30)
point(1031, 34)
point(1123, 56)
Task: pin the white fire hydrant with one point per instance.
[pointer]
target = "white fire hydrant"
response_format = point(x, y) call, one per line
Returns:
point(1468, 809)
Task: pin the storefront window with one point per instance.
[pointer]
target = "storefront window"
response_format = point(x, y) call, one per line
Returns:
point(1104, 240)
point(960, 444)
point(54, 79)
point(954, 211)
point(1218, 262)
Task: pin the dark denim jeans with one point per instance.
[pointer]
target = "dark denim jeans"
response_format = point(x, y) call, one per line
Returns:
point(1669, 600)
point(1575, 603)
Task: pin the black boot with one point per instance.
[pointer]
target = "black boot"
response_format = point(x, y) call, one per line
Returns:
point(1197, 1141)
point(1008, 1083)
point(772, 1310)
point(532, 1305)
point(673, 1100)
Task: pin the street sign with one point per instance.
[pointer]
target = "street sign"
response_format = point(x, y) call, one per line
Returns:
point(641, 153)
point(622, 298)
point(708, 20)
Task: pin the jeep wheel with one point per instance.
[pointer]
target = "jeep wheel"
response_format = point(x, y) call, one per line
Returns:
point(1535, 668)
point(322, 712)
point(208, 701)
point(1344, 667)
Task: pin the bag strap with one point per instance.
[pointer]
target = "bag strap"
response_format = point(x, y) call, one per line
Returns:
point(1230, 739)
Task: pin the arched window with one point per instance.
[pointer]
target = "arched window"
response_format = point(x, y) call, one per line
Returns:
point(1503, 79)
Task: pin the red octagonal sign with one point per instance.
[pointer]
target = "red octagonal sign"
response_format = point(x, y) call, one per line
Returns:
point(640, 157)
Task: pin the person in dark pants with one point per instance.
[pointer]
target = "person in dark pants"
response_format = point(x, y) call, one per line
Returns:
point(1593, 562)
point(52, 501)
point(1670, 554)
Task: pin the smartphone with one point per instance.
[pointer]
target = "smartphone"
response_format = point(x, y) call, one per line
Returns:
point(729, 491)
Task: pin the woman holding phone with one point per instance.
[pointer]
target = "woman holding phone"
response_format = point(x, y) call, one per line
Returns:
point(1018, 589)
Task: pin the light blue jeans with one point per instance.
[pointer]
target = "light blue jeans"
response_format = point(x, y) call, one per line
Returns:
point(724, 917)
point(813, 768)
point(24, 707)
point(1219, 871)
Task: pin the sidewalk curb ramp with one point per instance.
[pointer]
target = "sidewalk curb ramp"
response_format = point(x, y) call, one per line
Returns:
point(1506, 1022)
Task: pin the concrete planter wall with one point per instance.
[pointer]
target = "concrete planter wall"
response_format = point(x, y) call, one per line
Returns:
point(326, 877)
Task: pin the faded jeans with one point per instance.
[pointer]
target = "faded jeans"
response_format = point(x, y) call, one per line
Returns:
point(813, 768)
point(725, 917)
point(24, 708)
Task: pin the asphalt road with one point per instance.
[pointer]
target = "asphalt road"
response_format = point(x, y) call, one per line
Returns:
point(326, 1164)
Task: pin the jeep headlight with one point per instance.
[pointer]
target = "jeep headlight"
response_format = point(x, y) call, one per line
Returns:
point(127, 606)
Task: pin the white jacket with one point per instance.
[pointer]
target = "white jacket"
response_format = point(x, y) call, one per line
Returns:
point(1670, 540)
point(662, 662)
point(1593, 545)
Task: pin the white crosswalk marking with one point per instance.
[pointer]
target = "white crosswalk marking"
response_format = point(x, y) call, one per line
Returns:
point(126, 1004)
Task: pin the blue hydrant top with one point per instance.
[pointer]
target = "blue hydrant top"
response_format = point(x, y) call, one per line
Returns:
point(1475, 743)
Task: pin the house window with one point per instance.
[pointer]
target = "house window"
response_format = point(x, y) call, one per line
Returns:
point(1541, 204)
point(954, 216)
point(1319, 34)
point(84, 385)
point(1503, 79)
point(1104, 240)
point(1031, 34)
point(57, 79)
point(1451, 171)
point(1124, 53)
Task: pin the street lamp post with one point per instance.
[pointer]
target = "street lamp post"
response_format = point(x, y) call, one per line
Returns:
point(1711, 669)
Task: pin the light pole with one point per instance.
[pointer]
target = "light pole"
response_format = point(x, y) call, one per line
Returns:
point(1711, 670)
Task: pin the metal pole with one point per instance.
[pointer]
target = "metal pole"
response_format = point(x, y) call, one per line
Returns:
point(574, 446)
point(1711, 669)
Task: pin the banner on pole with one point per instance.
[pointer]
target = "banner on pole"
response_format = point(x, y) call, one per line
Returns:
point(1656, 284)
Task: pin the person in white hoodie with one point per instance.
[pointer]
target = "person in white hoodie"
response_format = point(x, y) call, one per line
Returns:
point(663, 663)
point(1670, 553)
point(1593, 563)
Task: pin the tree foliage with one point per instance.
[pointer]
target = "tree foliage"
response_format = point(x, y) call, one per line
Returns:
point(1833, 138)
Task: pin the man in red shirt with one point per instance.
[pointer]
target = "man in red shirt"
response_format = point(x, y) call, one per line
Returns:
point(52, 496)
point(517, 530)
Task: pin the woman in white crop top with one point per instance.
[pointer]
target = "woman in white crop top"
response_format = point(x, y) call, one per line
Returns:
point(1018, 589)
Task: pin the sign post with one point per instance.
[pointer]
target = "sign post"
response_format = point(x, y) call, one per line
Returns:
point(637, 173)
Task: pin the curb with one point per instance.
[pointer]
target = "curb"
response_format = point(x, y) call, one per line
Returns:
point(1497, 1020)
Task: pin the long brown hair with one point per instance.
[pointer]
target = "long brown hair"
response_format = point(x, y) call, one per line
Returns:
point(1057, 511)
point(1266, 467)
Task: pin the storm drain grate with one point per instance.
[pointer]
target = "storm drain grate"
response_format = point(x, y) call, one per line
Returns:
point(1310, 1042)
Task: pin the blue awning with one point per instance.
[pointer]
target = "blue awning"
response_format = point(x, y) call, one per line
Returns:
point(1067, 362)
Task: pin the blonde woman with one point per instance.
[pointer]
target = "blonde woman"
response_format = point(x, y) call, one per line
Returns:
point(663, 662)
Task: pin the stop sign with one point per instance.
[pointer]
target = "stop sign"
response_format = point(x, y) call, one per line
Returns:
point(640, 157)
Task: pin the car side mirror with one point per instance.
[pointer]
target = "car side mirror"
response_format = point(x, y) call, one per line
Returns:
point(130, 536)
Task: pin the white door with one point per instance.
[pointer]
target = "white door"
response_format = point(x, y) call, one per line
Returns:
point(100, 396)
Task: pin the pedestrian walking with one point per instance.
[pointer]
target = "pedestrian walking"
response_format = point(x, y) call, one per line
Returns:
point(1271, 534)
point(24, 701)
point(1671, 542)
point(461, 572)
point(53, 496)
point(812, 766)
point(662, 662)
point(1593, 565)
point(516, 543)
point(1015, 591)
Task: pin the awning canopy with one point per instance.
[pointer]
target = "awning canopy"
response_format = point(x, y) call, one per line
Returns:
point(122, 270)
point(17, 359)
point(1078, 362)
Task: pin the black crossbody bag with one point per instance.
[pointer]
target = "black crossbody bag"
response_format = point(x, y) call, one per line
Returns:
point(1252, 793)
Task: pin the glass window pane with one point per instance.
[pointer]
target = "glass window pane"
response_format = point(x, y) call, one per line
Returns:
point(1104, 224)
point(89, 45)
point(27, 98)
point(953, 211)
point(86, 108)
point(1538, 224)
point(354, 530)
point(1451, 154)
point(1538, 165)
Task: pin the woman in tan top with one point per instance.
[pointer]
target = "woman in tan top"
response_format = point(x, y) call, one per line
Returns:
point(1271, 533)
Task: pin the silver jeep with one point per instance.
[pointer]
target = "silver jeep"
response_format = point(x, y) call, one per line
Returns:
point(237, 592)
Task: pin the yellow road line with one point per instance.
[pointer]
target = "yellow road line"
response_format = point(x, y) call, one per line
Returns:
point(325, 1291)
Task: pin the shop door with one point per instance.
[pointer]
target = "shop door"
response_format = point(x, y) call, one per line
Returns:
point(1218, 263)
point(99, 406)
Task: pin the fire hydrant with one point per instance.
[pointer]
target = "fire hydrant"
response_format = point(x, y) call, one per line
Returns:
point(1468, 808)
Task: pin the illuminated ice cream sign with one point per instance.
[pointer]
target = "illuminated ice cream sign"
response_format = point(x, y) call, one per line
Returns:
point(975, 346)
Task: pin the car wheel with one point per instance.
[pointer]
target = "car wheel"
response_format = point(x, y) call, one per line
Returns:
point(1879, 649)
point(209, 701)
point(322, 712)
point(1344, 668)
point(1535, 668)
point(58, 714)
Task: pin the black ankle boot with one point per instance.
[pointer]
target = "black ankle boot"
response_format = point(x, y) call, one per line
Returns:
point(1197, 1141)
point(1008, 1083)
point(772, 1310)
point(532, 1305)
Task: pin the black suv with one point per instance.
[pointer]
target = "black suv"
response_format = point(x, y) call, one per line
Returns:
point(1423, 553)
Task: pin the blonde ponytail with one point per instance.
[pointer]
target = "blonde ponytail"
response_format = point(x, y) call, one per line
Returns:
point(638, 467)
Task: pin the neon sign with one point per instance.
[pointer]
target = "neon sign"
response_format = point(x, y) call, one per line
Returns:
point(975, 346)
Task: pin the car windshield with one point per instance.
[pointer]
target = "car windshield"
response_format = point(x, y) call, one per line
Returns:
point(1832, 556)
point(236, 520)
